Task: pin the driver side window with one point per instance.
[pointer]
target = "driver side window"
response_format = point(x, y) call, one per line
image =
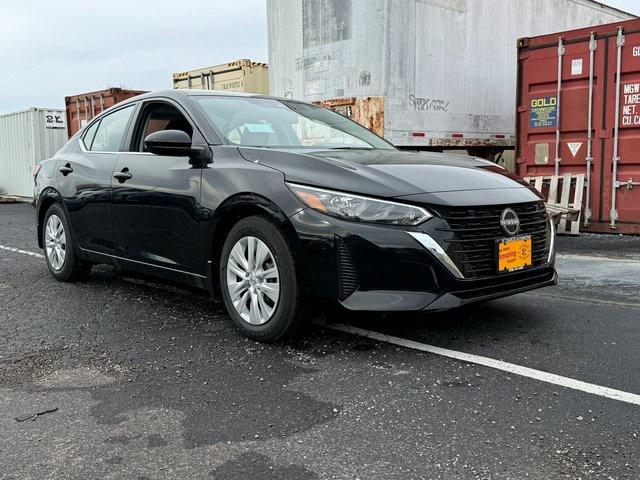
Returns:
point(157, 117)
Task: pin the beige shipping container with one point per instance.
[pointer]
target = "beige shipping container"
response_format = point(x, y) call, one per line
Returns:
point(243, 76)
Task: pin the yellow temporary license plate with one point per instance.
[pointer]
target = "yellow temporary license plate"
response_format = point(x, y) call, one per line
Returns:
point(514, 254)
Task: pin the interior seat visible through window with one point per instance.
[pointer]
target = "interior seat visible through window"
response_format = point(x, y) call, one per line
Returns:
point(157, 117)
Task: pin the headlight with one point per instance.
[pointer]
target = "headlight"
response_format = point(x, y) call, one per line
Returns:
point(363, 209)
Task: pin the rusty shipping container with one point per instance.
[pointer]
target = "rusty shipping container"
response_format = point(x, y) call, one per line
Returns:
point(367, 111)
point(579, 112)
point(242, 76)
point(82, 108)
point(440, 73)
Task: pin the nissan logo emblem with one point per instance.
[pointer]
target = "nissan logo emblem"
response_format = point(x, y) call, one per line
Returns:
point(510, 222)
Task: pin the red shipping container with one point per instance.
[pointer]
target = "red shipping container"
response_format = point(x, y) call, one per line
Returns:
point(579, 112)
point(82, 108)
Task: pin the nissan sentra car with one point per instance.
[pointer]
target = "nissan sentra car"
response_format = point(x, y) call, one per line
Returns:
point(273, 205)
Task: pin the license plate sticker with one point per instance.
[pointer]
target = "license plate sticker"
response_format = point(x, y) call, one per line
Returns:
point(514, 254)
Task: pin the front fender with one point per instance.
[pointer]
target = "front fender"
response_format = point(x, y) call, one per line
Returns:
point(227, 214)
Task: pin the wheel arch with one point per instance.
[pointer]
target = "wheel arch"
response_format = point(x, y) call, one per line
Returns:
point(230, 212)
point(47, 198)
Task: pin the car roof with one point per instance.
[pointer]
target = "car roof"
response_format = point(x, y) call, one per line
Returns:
point(176, 94)
point(181, 93)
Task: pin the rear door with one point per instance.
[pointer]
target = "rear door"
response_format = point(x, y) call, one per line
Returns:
point(84, 180)
point(156, 205)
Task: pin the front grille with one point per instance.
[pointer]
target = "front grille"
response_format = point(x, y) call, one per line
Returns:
point(474, 232)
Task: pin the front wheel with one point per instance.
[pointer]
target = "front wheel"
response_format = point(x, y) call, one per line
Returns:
point(259, 281)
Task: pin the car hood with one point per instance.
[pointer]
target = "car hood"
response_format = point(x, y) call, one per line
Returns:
point(386, 173)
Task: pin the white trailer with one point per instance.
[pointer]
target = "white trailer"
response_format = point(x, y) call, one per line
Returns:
point(425, 74)
point(26, 138)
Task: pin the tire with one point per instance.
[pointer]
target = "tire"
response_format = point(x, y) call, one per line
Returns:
point(255, 313)
point(60, 253)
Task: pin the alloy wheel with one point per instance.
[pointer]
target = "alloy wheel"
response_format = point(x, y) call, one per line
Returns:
point(55, 242)
point(253, 280)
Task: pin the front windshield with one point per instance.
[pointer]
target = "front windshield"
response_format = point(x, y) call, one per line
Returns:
point(266, 122)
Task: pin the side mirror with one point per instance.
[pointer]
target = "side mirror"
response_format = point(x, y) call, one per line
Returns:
point(173, 143)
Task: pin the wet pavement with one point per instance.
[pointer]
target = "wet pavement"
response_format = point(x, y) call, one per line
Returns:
point(152, 382)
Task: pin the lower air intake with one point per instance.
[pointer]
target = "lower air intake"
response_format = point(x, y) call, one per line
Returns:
point(347, 276)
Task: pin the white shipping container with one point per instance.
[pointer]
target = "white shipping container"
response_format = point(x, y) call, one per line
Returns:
point(437, 73)
point(26, 138)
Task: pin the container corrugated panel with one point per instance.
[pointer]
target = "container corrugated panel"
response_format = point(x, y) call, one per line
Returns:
point(26, 138)
point(586, 123)
point(445, 69)
point(242, 76)
point(85, 106)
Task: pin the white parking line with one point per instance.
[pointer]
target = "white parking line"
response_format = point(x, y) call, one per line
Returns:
point(25, 252)
point(497, 364)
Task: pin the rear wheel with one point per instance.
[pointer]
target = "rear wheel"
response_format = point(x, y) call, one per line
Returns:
point(61, 257)
point(259, 280)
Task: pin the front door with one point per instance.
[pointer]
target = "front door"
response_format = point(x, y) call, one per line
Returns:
point(156, 198)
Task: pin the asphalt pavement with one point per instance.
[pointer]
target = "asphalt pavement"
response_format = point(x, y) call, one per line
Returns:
point(141, 380)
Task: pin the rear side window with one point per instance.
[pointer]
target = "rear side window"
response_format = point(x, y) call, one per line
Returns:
point(111, 130)
point(88, 137)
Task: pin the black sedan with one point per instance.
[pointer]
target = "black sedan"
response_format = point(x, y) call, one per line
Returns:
point(274, 204)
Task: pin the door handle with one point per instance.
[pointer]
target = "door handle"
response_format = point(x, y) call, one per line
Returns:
point(66, 170)
point(123, 175)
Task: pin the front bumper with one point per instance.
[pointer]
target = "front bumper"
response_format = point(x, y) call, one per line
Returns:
point(385, 268)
